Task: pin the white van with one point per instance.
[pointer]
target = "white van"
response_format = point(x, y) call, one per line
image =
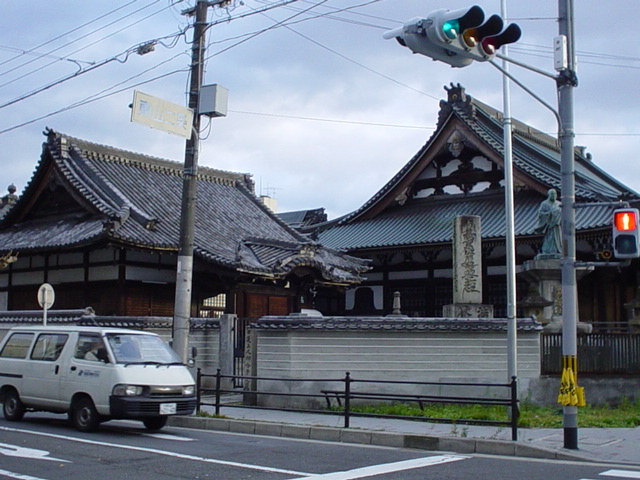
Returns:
point(94, 374)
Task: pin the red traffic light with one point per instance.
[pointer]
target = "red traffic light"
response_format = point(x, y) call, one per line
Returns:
point(625, 220)
point(511, 34)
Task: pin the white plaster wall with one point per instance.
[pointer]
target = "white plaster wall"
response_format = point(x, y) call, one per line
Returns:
point(324, 357)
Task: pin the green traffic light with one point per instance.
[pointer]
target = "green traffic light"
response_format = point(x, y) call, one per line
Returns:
point(451, 29)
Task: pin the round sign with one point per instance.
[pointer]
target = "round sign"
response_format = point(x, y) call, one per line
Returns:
point(46, 296)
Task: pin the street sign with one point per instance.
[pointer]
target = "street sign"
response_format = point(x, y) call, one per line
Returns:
point(162, 115)
point(46, 296)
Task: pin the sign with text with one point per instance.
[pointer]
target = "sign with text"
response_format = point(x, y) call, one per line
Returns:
point(162, 115)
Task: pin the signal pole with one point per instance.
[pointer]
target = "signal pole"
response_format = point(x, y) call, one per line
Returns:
point(567, 81)
point(184, 270)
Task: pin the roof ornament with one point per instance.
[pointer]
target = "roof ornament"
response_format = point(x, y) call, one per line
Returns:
point(10, 199)
point(456, 94)
point(7, 259)
point(456, 144)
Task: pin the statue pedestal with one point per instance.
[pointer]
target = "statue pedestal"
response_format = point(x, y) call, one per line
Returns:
point(545, 272)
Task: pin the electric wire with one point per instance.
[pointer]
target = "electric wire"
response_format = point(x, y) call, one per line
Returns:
point(92, 67)
point(133, 23)
point(332, 120)
point(260, 32)
point(33, 49)
point(102, 94)
point(41, 55)
point(288, 27)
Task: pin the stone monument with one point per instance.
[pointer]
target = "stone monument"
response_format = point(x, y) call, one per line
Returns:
point(467, 271)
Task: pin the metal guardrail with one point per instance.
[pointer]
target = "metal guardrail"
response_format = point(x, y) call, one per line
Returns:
point(347, 393)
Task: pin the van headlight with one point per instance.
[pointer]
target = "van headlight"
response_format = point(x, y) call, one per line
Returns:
point(188, 390)
point(127, 390)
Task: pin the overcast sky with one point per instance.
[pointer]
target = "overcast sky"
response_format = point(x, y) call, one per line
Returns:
point(322, 110)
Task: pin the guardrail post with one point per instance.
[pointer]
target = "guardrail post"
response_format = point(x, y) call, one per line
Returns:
point(198, 394)
point(218, 382)
point(515, 412)
point(347, 399)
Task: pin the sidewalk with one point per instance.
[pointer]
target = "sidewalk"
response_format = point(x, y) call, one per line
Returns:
point(613, 445)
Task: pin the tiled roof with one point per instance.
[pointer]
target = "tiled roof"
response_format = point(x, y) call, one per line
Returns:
point(538, 155)
point(430, 221)
point(391, 323)
point(135, 200)
point(382, 222)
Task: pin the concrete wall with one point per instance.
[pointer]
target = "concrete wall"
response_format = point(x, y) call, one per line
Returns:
point(415, 356)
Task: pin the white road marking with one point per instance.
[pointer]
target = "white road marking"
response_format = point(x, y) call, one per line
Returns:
point(15, 451)
point(621, 473)
point(165, 436)
point(18, 476)
point(386, 468)
point(161, 452)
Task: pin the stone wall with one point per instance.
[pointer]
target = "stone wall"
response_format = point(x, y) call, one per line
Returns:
point(400, 349)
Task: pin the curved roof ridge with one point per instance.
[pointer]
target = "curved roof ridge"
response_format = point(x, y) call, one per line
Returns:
point(108, 153)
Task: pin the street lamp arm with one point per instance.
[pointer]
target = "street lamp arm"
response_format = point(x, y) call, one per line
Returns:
point(527, 66)
point(528, 90)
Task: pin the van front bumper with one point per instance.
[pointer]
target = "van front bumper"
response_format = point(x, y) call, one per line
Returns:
point(136, 407)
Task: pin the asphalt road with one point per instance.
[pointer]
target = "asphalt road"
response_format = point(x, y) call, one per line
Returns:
point(46, 447)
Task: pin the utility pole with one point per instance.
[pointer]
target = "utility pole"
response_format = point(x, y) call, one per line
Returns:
point(512, 318)
point(184, 271)
point(567, 81)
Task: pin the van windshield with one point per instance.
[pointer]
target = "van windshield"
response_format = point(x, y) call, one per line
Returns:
point(141, 349)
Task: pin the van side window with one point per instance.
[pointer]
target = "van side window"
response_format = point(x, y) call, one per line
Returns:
point(49, 346)
point(17, 346)
point(91, 347)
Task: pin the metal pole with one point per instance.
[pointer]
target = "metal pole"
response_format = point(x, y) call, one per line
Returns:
point(566, 83)
point(44, 315)
point(512, 327)
point(184, 274)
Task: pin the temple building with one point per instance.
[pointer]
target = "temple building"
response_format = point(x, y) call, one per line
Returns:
point(406, 227)
point(101, 225)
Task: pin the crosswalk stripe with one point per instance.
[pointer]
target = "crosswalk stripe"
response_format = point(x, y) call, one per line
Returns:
point(374, 470)
point(621, 473)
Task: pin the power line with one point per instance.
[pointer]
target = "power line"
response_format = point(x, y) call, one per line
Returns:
point(94, 66)
point(332, 120)
point(355, 62)
point(260, 32)
point(96, 97)
point(40, 55)
point(24, 52)
point(285, 23)
point(133, 23)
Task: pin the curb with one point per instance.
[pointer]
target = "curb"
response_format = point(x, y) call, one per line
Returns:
point(373, 437)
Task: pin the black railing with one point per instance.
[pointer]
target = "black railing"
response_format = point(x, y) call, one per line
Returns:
point(598, 354)
point(339, 400)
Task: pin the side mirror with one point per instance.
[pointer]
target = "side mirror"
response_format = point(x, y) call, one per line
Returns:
point(191, 362)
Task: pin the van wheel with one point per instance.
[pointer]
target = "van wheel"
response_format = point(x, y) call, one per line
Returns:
point(84, 415)
point(155, 423)
point(12, 406)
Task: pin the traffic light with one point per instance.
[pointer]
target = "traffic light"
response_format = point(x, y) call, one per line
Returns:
point(456, 37)
point(625, 233)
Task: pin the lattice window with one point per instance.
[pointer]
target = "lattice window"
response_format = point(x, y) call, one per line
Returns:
point(213, 307)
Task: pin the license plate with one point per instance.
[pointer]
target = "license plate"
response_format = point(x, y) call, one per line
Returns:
point(167, 408)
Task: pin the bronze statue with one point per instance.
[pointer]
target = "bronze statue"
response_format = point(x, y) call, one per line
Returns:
point(549, 215)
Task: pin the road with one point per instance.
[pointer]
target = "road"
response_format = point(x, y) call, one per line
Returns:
point(46, 447)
